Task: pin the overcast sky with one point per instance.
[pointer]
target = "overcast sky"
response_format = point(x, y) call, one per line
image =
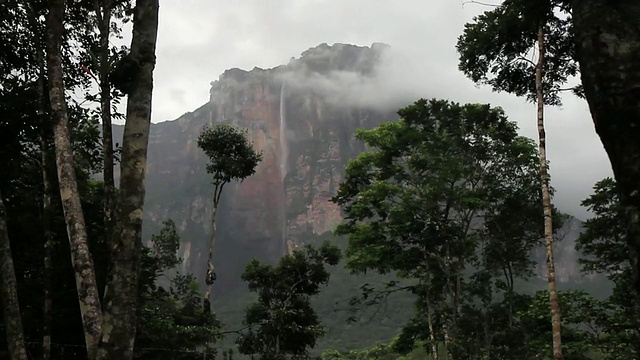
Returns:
point(199, 39)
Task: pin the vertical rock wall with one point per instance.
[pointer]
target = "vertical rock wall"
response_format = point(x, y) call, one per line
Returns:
point(306, 137)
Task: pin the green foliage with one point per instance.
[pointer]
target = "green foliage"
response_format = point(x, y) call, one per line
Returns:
point(282, 324)
point(604, 238)
point(377, 352)
point(171, 321)
point(437, 201)
point(604, 245)
point(495, 49)
point(591, 328)
point(231, 155)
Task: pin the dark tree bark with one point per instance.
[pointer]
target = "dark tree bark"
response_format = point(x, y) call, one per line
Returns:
point(47, 189)
point(103, 10)
point(11, 308)
point(121, 292)
point(556, 330)
point(47, 194)
point(87, 288)
point(211, 270)
point(607, 37)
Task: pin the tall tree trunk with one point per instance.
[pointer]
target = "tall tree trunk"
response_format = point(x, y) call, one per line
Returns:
point(121, 294)
point(47, 314)
point(87, 288)
point(12, 317)
point(546, 204)
point(211, 270)
point(104, 21)
point(47, 194)
point(47, 191)
point(607, 35)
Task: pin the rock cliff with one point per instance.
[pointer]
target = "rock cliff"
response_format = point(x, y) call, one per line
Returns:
point(302, 116)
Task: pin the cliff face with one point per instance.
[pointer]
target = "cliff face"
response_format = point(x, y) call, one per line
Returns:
point(305, 133)
point(302, 116)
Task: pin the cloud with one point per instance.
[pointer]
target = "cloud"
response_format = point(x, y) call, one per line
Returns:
point(199, 39)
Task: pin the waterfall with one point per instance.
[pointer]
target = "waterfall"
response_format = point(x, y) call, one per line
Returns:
point(284, 156)
point(284, 151)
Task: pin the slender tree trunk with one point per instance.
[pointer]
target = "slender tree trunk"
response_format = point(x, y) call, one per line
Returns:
point(47, 194)
point(211, 271)
point(12, 317)
point(432, 334)
point(104, 20)
point(608, 48)
point(546, 203)
point(122, 285)
point(80, 256)
point(47, 191)
point(447, 340)
point(47, 315)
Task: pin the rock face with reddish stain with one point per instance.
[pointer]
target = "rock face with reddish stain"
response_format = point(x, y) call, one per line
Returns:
point(303, 119)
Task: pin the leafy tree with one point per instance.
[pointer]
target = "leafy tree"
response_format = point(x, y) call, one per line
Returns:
point(494, 50)
point(604, 246)
point(118, 333)
point(282, 324)
point(85, 276)
point(24, 79)
point(607, 48)
point(591, 327)
point(103, 56)
point(231, 157)
point(170, 319)
point(429, 202)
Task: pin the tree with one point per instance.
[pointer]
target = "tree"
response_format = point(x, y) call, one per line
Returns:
point(170, 317)
point(493, 50)
point(604, 246)
point(118, 335)
point(282, 323)
point(231, 157)
point(12, 317)
point(607, 38)
point(85, 273)
point(101, 56)
point(428, 198)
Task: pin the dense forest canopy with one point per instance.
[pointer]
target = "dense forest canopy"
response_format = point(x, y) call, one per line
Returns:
point(438, 218)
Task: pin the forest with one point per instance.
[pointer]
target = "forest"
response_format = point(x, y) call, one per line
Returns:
point(443, 207)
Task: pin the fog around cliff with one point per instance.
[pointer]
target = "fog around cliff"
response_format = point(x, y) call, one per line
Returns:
point(386, 87)
point(200, 39)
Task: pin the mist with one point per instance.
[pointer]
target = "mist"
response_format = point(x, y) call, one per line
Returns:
point(196, 43)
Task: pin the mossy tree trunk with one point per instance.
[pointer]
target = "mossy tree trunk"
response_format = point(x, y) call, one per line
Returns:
point(608, 48)
point(103, 10)
point(11, 308)
point(122, 284)
point(80, 256)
